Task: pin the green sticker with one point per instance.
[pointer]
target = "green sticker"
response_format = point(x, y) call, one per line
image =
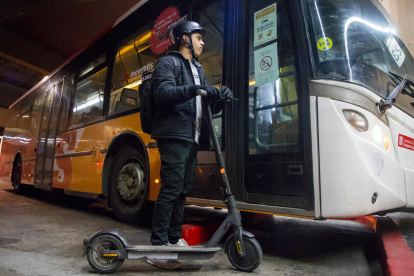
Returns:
point(324, 43)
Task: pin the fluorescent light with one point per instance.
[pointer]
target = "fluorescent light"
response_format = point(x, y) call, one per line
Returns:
point(90, 101)
point(134, 84)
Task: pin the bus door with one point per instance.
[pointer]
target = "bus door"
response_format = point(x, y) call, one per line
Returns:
point(275, 172)
point(47, 136)
point(262, 134)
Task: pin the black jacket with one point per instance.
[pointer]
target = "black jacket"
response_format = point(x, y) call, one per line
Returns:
point(175, 116)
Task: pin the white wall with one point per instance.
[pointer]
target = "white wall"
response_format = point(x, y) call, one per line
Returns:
point(402, 12)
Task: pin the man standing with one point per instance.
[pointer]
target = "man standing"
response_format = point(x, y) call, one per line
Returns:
point(177, 129)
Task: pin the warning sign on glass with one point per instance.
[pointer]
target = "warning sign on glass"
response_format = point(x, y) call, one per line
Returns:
point(265, 25)
point(266, 66)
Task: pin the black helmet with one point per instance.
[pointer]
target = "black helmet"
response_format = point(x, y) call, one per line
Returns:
point(188, 28)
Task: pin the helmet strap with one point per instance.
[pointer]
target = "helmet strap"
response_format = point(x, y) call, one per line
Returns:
point(190, 44)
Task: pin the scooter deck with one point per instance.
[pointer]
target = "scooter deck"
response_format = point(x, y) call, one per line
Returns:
point(171, 252)
point(146, 248)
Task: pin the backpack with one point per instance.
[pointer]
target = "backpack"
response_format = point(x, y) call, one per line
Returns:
point(148, 105)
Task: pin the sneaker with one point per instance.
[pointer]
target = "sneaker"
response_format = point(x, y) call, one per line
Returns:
point(181, 242)
point(165, 264)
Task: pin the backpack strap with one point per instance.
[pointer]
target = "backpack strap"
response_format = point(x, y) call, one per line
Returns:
point(177, 66)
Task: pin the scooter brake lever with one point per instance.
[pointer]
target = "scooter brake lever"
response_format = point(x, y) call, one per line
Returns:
point(227, 100)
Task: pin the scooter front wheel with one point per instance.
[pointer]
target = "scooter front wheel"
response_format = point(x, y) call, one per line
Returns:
point(97, 247)
point(253, 254)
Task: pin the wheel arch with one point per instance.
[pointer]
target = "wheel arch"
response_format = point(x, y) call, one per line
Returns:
point(126, 137)
point(114, 233)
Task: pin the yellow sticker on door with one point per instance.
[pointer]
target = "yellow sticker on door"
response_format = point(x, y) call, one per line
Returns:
point(324, 43)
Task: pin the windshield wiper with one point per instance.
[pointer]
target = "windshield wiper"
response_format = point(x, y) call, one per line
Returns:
point(382, 106)
point(395, 75)
point(404, 92)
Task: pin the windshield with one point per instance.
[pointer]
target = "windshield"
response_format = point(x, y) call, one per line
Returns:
point(355, 42)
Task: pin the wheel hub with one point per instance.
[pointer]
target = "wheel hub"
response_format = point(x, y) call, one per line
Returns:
point(131, 182)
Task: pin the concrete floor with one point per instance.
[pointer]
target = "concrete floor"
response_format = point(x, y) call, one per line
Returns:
point(42, 233)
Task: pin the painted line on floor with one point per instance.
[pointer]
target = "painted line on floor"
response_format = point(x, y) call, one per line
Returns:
point(397, 257)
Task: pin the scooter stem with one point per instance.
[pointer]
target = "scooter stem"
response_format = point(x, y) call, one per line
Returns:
point(233, 217)
point(219, 157)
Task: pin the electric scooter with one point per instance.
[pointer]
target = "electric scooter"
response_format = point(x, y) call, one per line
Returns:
point(107, 250)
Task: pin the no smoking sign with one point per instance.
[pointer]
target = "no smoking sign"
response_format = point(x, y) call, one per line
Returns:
point(266, 67)
point(266, 63)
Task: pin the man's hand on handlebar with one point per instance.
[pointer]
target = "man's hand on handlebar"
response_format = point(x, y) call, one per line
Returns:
point(213, 93)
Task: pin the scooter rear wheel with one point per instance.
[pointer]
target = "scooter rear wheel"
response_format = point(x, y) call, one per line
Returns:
point(97, 247)
point(253, 254)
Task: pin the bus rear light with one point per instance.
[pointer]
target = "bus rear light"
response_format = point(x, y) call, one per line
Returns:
point(386, 142)
point(157, 181)
point(356, 120)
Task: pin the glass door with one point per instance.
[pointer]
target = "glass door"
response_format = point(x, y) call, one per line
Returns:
point(274, 155)
point(47, 135)
point(211, 16)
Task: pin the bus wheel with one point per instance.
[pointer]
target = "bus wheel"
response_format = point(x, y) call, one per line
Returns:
point(128, 191)
point(18, 187)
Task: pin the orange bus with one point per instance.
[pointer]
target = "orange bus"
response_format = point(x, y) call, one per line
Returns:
point(305, 139)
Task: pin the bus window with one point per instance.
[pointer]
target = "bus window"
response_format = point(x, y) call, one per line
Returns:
point(94, 64)
point(38, 103)
point(88, 100)
point(13, 115)
point(65, 105)
point(211, 18)
point(133, 59)
point(26, 108)
point(273, 100)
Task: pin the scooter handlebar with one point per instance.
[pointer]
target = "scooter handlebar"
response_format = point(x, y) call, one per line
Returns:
point(203, 93)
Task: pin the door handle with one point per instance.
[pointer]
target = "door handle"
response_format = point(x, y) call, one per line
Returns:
point(295, 170)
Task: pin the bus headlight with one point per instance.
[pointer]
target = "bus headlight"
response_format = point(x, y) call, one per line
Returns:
point(356, 120)
point(377, 133)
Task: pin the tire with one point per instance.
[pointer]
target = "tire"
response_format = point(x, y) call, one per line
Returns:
point(18, 187)
point(253, 254)
point(128, 186)
point(97, 246)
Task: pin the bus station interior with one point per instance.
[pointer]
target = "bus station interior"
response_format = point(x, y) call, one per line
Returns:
point(36, 37)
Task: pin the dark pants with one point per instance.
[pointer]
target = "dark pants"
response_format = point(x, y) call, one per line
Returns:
point(178, 161)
